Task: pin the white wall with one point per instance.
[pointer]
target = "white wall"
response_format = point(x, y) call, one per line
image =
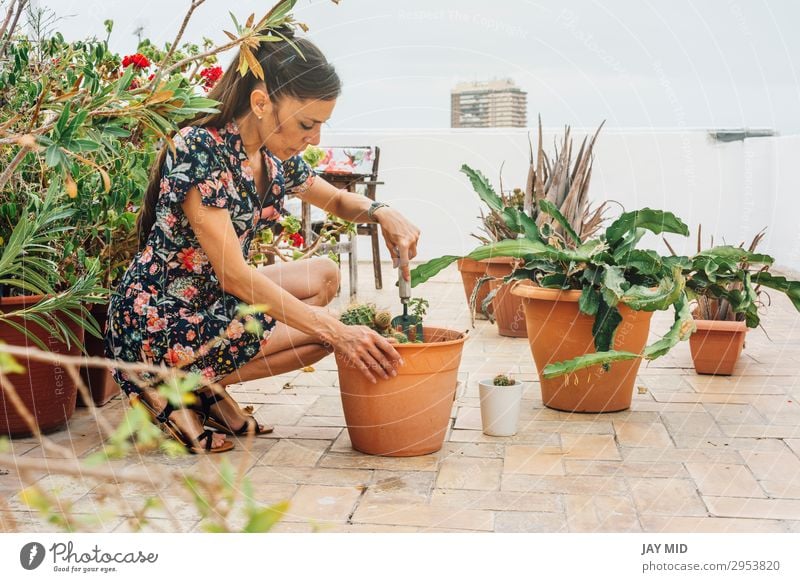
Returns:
point(734, 189)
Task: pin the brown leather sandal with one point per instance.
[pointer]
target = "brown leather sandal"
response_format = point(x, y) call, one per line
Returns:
point(204, 439)
point(250, 423)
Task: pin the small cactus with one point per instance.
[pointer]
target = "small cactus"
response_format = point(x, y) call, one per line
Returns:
point(503, 380)
point(383, 321)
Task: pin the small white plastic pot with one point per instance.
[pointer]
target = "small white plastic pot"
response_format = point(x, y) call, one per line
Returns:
point(500, 406)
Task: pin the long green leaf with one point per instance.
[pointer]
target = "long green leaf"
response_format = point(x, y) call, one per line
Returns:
point(656, 221)
point(681, 329)
point(549, 208)
point(779, 283)
point(484, 190)
point(585, 361)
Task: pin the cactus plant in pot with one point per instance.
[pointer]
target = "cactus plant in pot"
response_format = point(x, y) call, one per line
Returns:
point(408, 414)
point(501, 399)
point(588, 303)
point(725, 285)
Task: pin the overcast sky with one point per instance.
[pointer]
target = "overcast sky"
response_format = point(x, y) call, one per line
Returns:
point(637, 63)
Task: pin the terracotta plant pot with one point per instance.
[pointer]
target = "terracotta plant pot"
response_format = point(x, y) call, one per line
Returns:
point(46, 389)
point(407, 415)
point(500, 407)
point(716, 346)
point(559, 331)
point(472, 270)
point(99, 380)
point(508, 311)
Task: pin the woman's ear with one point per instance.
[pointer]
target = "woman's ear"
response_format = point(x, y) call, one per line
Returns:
point(260, 102)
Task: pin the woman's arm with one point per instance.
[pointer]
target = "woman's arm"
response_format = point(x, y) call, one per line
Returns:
point(215, 233)
point(399, 234)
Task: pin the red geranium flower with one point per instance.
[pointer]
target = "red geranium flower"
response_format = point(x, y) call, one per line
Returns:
point(138, 60)
point(297, 240)
point(211, 76)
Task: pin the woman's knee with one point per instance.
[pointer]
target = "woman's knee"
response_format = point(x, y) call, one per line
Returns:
point(327, 272)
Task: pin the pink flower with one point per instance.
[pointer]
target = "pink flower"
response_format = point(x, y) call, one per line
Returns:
point(146, 256)
point(192, 259)
point(209, 373)
point(235, 330)
point(142, 300)
point(190, 292)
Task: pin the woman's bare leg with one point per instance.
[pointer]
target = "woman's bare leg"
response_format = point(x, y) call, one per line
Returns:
point(313, 281)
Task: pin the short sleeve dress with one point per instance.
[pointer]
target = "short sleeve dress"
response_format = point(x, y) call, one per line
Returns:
point(169, 306)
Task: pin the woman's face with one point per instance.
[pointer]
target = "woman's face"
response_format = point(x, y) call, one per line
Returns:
point(289, 126)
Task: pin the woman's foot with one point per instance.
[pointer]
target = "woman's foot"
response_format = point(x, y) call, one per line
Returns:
point(186, 423)
point(224, 413)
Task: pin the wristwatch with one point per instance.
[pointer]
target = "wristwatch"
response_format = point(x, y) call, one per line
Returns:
point(374, 207)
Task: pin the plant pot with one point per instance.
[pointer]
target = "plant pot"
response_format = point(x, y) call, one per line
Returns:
point(47, 389)
point(508, 311)
point(500, 406)
point(472, 270)
point(716, 346)
point(99, 381)
point(558, 331)
point(407, 415)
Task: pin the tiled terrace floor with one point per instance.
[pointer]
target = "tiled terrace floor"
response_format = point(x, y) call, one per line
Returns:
point(693, 454)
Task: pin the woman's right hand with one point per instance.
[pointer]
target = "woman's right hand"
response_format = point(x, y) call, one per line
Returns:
point(369, 351)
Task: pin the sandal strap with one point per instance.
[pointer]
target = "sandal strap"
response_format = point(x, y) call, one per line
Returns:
point(205, 436)
point(207, 401)
point(163, 416)
point(245, 428)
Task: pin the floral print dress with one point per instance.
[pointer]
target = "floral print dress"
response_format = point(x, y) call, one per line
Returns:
point(170, 307)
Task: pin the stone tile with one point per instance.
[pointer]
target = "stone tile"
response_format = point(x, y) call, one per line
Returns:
point(470, 473)
point(724, 480)
point(656, 524)
point(737, 385)
point(588, 485)
point(777, 472)
point(589, 447)
point(642, 434)
point(323, 421)
point(626, 469)
point(498, 500)
point(734, 413)
point(529, 522)
point(423, 515)
point(718, 455)
point(305, 432)
point(268, 475)
point(397, 487)
point(522, 436)
point(567, 426)
point(761, 431)
point(533, 460)
point(322, 503)
point(273, 385)
point(729, 443)
point(794, 444)
point(480, 450)
point(359, 461)
point(326, 406)
point(695, 398)
point(280, 414)
point(753, 508)
point(601, 513)
point(468, 418)
point(295, 453)
point(691, 423)
point(666, 497)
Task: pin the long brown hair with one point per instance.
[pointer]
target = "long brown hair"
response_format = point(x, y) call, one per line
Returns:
point(286, 73)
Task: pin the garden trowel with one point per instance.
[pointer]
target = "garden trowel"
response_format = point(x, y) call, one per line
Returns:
point(405, 322)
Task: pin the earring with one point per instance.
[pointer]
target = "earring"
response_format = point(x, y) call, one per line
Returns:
point(259, 117)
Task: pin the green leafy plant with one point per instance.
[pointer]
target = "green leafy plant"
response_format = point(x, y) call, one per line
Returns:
point(726, 283)
point(378, 320)
point(607, 268)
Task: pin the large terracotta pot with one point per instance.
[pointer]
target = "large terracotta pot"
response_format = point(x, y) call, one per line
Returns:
point(407, 415)
point(559, 331)
point(716, 346)
point(508, 311)
point(99, 381)
point(46, 389)
point(472, 270)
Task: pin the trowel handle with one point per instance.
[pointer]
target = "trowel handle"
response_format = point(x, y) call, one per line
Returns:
point(405, 286)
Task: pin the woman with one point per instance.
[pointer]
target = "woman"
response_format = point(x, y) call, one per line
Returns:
point(225, 181)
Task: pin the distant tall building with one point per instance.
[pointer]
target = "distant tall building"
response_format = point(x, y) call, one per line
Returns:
point(497, 103)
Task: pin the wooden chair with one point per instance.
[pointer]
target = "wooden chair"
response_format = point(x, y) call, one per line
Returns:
point(350, 168)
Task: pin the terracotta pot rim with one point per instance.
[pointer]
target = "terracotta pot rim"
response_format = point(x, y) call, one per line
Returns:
point(462, 337)
point(17, 300)
point(529, 290)
point(722, 326)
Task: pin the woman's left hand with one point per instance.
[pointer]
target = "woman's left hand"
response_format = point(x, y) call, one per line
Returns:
point(401, 238)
